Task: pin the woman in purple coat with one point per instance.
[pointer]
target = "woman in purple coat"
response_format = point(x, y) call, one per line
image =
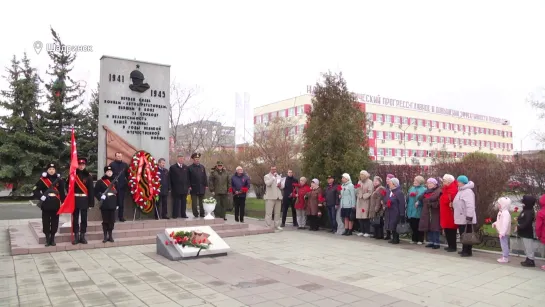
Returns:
point(395, 205)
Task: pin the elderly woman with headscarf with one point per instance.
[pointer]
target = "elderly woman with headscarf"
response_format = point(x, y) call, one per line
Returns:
point(395, 205)
point(464, 210)
point(315, 200)
point(301, 202)
point(446, 211)
point(414, 209)
point(386, 212)
point(429, 219)
point(376, 208)
point(364, 188)
point(348, 203)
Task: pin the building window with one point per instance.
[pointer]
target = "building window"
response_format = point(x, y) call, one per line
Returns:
point(389, 152)
point(301, 129)
point(371, 151)
point(398, 135)
point(291, 112)
point(369, 116)
point(397, 120)
point(371, 134)
point(420, 123)
point(388, 119)
point(398, 153)
point(300, 110)
point(387, 136)
point(413, 121)
point(292, 131)
point(380, 118)
point(405, 120)
point(380, 152)
point(265, 118)
point(380, 135)
point(258, 119)
point(413, 137)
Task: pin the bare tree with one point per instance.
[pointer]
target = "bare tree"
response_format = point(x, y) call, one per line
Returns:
point(181, 99)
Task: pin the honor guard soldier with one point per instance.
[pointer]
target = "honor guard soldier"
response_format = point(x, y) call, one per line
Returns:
point(198, 183)
point(83, 191)
point(50, 190)
point(106, 194)
point(121, 185)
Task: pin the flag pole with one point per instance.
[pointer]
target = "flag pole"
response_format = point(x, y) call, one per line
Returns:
point(72, 123)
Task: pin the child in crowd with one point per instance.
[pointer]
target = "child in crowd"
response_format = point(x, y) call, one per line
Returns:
point(540, 223)
point(525, 229)
point(503, 226)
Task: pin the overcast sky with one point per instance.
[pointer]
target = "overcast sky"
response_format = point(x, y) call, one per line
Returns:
point(475, 56)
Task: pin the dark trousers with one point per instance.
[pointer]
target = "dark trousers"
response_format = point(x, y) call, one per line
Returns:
point(450, 234)
point(240, 206)
point(379, 229)
point(108, 219)
point(50, 222)
point(395, 237)
point(120, 203)
point(332, 214)
point(179, 205)
point(162, 206)
point(221, 205)
point(468, 249)
point(313, 222)
point(418, 236)
point(288, 202)
point(79, 226)
point(365, 225)
point(196, 204)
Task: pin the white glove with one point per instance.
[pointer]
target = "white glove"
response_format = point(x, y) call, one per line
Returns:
point(117, 208)
point(103, 197)
point(43, 198)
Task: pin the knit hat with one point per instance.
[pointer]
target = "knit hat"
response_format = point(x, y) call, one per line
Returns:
point(390, 176)
point(529, 202)
point(463, 179)
point(432, 180)
point(395, 181)
point(346, 176)
point(316, 181)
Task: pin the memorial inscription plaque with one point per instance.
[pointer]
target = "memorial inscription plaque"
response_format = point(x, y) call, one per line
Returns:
point(133, 109)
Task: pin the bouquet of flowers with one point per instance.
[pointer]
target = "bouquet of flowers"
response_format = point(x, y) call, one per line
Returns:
point(412, 194)
point(189, 238)
point(357, 186)
point(209, 200)
point(244, 190)
point(339, 188)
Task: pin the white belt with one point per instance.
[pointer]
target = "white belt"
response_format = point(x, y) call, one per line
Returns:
point(81, 195)
point(52, 194)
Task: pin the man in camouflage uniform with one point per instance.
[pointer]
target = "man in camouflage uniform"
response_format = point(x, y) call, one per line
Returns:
point(219, 183)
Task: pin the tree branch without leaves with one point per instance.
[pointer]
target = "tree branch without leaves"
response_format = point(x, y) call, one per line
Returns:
point(180, 101)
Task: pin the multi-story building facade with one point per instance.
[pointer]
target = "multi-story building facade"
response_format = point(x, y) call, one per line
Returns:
point(204, 135)
point(403, 132)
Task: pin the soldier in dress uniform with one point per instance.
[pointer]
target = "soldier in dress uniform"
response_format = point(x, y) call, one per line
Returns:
point(83, 191)
point(198, 183)
point(50, 190)
point(106, 193)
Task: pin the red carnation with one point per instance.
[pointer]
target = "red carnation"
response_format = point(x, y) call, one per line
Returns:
point(389, 203)
point(383, 192)
point(172, 234)
point(295, 185)
point(339, 188)
point(362, 210)
point(244, 190)
point(321, 199)
point(357, 186)
point(413, 194)
point(516, 209)
point(230, 190)
point(193, 241)
point(166, 242)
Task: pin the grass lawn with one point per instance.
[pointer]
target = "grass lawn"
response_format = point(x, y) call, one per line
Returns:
point(256, 208)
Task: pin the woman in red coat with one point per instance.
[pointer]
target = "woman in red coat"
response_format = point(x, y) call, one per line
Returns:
point(446, 212)
point(301, 202)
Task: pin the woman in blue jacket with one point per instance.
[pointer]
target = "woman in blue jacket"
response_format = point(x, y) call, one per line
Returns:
point(414, 209)
point(240, 185)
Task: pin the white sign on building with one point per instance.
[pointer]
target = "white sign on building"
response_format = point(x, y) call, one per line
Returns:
point(133, 109)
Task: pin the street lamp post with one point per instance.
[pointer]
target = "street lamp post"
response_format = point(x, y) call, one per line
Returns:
point(404, 141)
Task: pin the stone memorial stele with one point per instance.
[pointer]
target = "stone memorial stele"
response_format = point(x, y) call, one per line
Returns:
point(133, 109)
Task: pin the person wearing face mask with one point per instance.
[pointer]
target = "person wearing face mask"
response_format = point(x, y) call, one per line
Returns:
point(50, 190)
point(83, 191)
point(106, 193)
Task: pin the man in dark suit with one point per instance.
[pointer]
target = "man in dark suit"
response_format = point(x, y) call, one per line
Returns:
point(122, 183)
point(199, 183)
point(163, 194)
point(179, 185)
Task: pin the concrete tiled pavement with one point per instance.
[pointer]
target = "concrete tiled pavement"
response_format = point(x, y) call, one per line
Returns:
point(290, 268)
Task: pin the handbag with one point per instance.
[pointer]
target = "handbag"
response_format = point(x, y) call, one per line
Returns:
point(376, 221)
point(403, 228)
point(471, 238)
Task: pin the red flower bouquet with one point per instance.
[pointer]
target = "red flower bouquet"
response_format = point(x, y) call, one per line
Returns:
point(389, 203)
point(339, 188)
point(244, 190)
point(231, 190)
point(516, 209)
point(362, 210)
point(488, 221)
point(295, 185)
point(413, 194)
point(321, 199)
point(383, 192)
point(357, 186)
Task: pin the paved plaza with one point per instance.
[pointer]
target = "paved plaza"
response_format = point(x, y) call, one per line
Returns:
point(289, 268)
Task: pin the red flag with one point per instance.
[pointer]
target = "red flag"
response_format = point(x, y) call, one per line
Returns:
point(70, 201)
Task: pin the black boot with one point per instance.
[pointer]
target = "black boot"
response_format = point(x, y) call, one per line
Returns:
point(47, 239)
point(388, 237)
point(82, 238)
point(105, 237)
point(528, 263)
point(110, 238)
point(76, 239)
point(345, 233)
point(52, 240)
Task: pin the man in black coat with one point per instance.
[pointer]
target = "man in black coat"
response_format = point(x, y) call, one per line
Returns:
point(288, 201)
point(179, 185)
point(198, 182)
point(84, 193)
point(122, 183)
point(163, 193)
point(331, 195)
